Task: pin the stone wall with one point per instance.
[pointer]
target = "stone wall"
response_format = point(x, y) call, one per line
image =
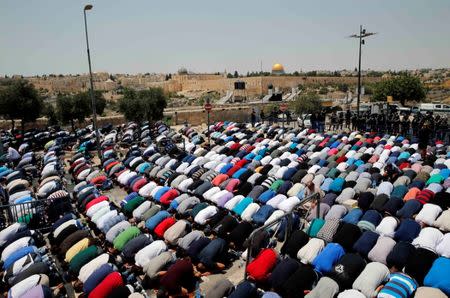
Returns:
point(200, 116)
point(197, 117)
point(222, 85)
point(255, 86)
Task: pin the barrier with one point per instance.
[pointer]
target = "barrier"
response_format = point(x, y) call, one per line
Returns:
point(33, 213)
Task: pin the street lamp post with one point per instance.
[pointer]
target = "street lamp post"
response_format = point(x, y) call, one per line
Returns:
point(91, 91)
point(361, 36)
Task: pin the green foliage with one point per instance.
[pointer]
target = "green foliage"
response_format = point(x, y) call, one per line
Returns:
point(71, 108)
point(131, 106)
point(343, 87)
point(323, 90)
point(402, 88)
point(81, 106)
point(143, 105)
point(50, 113)
point(208, 97)
point(368, 89)
point(20, 100)
point(236, 74)
point(374, 73)
point(100, 102)
point(307, 104)
point(301, 87)
point(78, 107)
point(85, 98)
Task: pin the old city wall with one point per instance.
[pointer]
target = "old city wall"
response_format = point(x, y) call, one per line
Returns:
point(222, 85)
point(255, 86)
point(259, 85)
point(73, 84)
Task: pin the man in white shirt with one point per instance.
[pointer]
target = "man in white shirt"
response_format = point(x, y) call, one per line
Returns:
point(152, 250)
point(13, 155)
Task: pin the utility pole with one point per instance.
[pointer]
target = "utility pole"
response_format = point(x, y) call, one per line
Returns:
point(362, 34)
point(94, 112)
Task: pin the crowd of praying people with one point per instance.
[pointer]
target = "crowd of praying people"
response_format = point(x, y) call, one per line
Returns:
point(378, 228)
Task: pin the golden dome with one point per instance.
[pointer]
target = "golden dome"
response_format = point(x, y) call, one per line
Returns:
point(277, 67)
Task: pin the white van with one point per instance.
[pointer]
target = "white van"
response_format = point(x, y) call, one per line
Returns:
point(434, 107)
point(305, 121)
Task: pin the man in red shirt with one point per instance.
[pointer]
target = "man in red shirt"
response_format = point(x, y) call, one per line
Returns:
point(260, 268)
point(108, 284)
point(162, 227)
point(169, 196)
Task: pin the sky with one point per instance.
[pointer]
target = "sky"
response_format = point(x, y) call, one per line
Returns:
point(160, 36)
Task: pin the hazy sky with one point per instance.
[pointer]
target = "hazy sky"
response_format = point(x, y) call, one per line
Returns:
point(47, 36)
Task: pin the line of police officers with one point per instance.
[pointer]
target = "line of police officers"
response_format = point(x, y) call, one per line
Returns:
point(393, 122)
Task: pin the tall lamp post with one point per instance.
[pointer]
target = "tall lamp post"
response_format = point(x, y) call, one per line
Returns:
point(91, 91)
point(362, 34)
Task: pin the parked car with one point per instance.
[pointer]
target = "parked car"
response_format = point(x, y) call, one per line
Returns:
point(304, 121)
point(434, 107)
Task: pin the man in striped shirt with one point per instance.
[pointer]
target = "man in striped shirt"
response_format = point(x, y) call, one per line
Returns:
point(399, 285)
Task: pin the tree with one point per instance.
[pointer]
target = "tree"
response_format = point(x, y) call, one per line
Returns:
point(236, 74)
point(343, 87)
point(402, 88)
point(130, 105)
point(100, 101)
point(368, 89)
point(374, 73)
point(143, 105)
point(7, 105)
point(323, 90)
point(78, 107)
point(154, 101)
point(71, 108)
point(307, 104)
point(336, 73)
point(301, 87)
point(50, 113)
point(20, 100)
